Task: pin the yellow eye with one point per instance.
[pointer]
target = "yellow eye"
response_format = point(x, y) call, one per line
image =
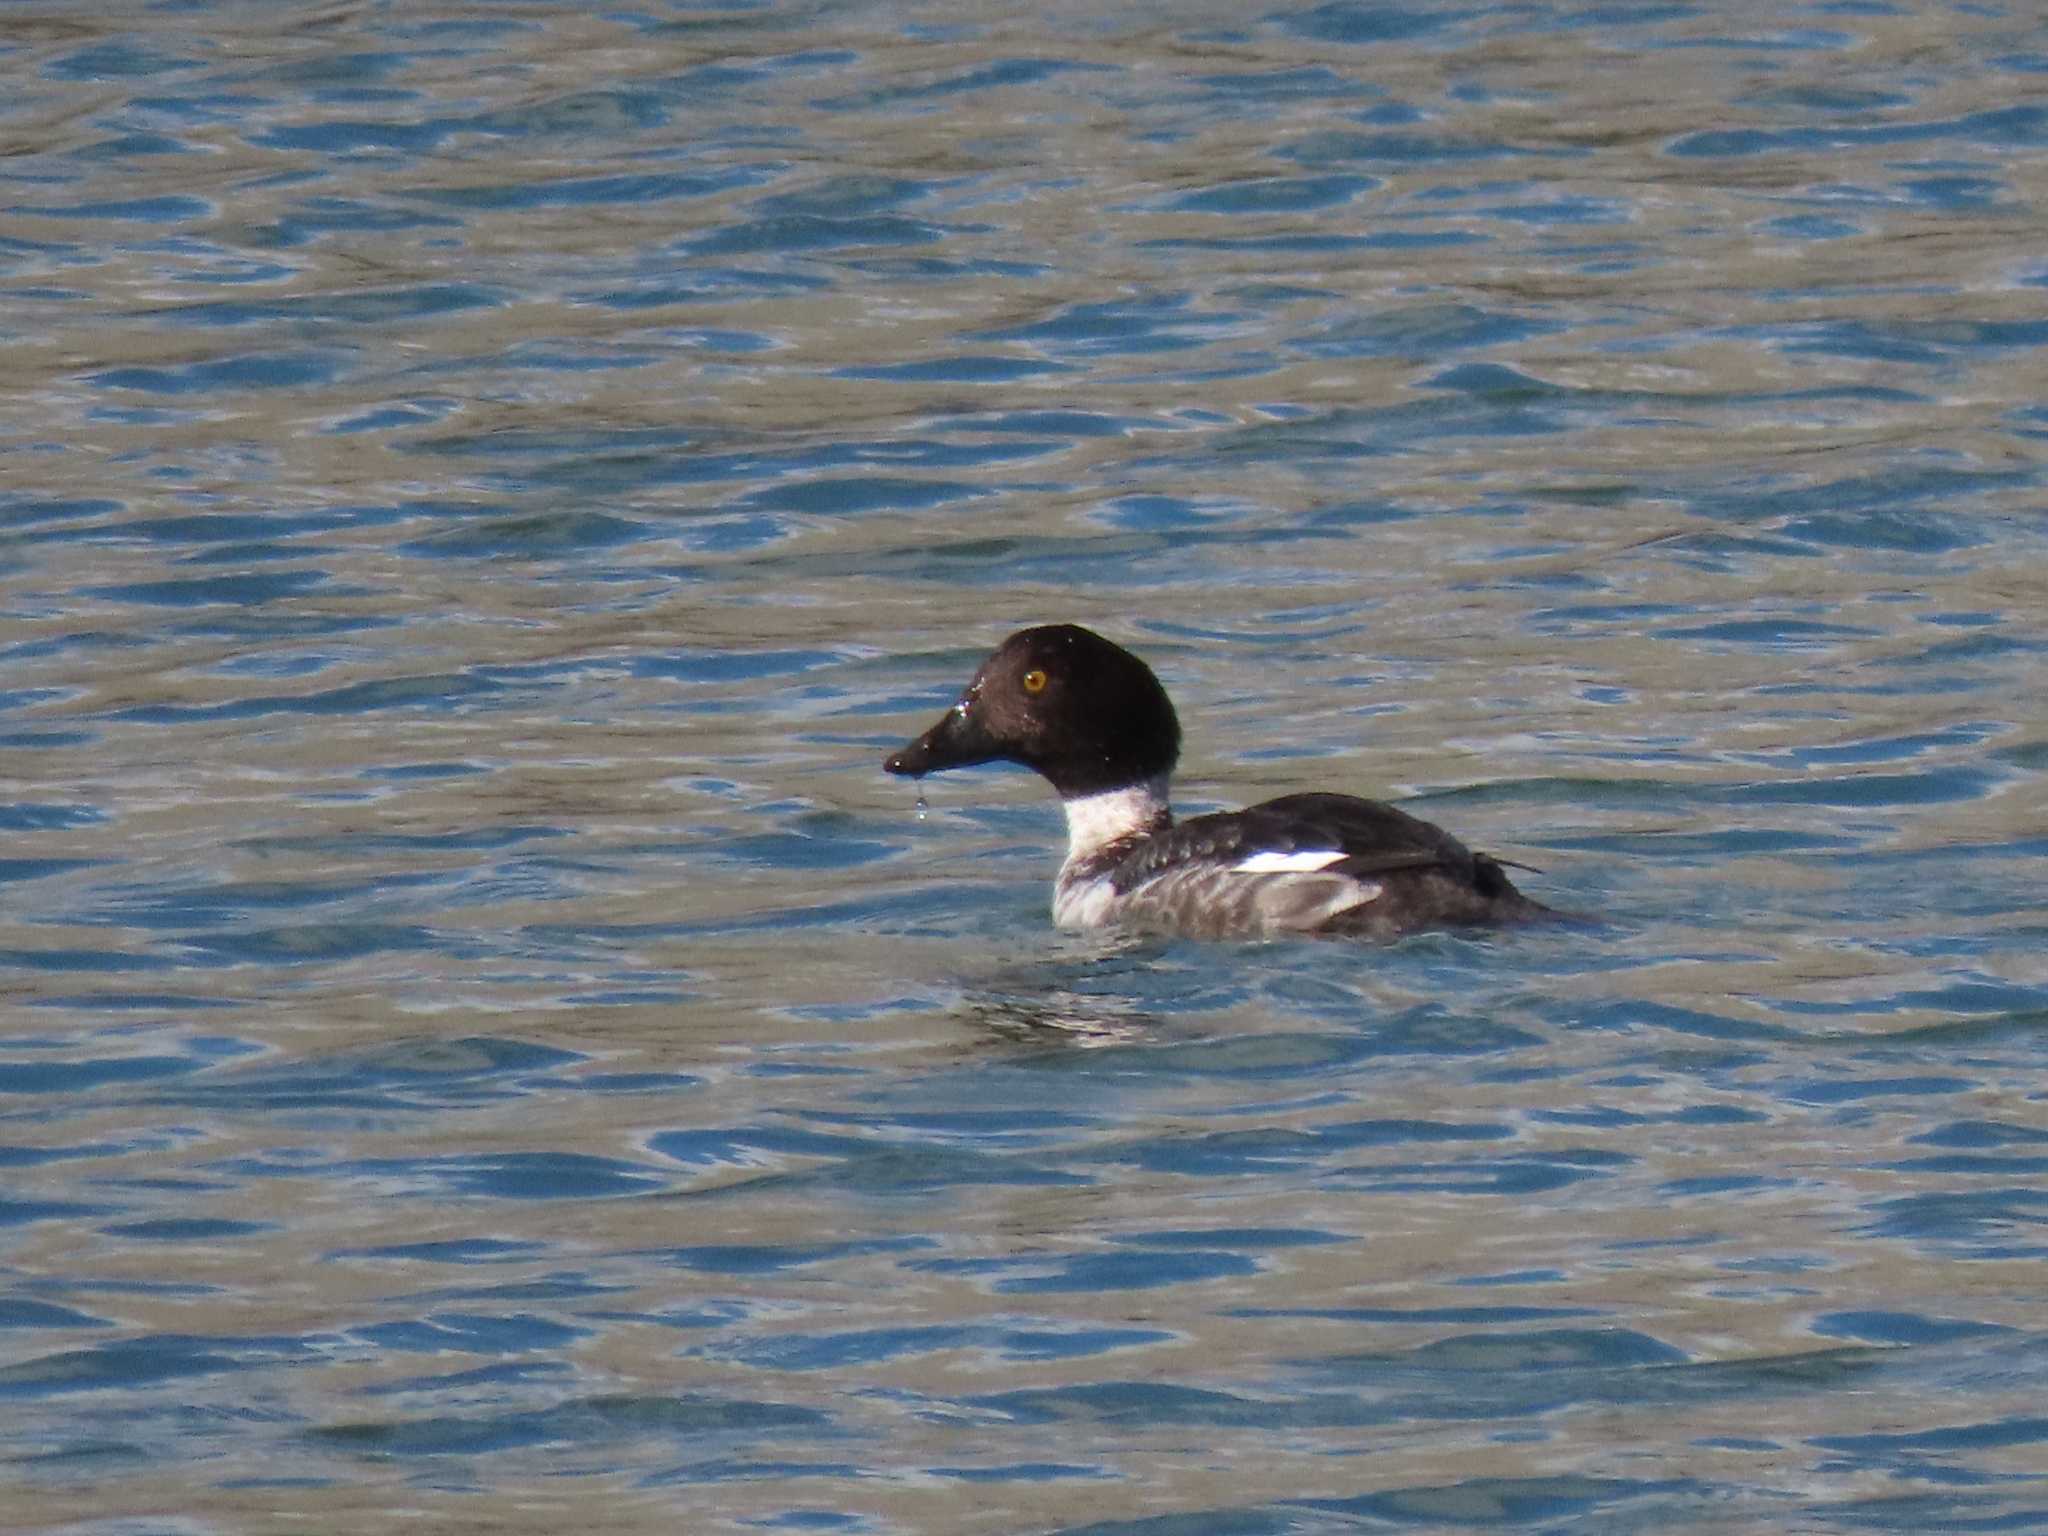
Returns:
point(1034, 680)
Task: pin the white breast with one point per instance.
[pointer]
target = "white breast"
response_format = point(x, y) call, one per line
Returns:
point(1096, 821)
point(1083, 904)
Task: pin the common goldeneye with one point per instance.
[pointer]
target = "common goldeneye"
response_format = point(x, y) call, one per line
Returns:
point(1094, 722)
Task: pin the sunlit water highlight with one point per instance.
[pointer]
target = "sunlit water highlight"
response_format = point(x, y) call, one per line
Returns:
point(483, 1042)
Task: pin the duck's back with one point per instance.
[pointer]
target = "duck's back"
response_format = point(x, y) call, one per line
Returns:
point(1310, 863)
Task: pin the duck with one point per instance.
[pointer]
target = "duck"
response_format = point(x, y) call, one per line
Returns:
point(1092, 720)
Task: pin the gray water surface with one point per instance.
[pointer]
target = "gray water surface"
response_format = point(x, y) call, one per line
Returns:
point(484, 1046)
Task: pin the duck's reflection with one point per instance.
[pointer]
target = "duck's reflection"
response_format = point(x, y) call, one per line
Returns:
point(1089, 993)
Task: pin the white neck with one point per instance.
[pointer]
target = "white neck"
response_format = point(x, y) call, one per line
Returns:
point(1096, 821)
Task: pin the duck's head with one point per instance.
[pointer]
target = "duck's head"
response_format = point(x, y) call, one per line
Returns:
point(1078, 709)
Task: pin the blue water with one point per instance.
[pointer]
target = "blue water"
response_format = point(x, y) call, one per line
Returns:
point(483, 1043)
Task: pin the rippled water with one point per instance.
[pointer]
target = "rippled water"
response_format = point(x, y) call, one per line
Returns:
point(483, 1042)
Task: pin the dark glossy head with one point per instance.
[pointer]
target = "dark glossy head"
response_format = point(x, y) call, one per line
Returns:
point(1063, 701)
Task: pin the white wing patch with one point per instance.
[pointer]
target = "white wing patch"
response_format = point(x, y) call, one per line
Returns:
point(1287, 863)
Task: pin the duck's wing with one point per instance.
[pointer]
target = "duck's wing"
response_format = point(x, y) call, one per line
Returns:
point(1314, 862)
point(1374, 838)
